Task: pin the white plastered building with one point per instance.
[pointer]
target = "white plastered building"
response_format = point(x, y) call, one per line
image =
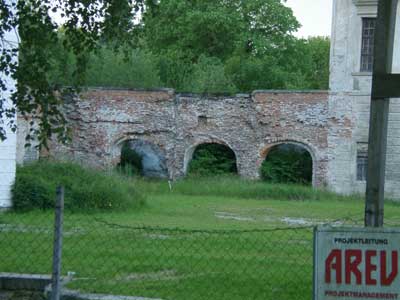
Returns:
point(349, 101)
point(9, 146)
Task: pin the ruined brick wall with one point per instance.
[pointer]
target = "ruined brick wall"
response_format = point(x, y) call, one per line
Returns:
point(101, 120)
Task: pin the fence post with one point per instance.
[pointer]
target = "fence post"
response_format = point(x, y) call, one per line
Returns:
point(384, 86)
point(57, 248)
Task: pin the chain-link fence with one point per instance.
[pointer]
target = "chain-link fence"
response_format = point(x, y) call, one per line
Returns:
point(104, 255)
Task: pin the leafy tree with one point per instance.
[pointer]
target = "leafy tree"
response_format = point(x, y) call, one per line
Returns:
point(318, 48)
point(191, 28)
point(134, 69)
point(252, 39)
point(283, 69)
point(204, 46)
point(85, 24)
point(174, 69)
point(250, 73)
point(306, 63)
point(218, 28)
point(209, 77)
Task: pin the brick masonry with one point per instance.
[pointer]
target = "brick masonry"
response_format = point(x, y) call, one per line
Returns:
point(101, 120)
point(333, 130)
point(332, 127)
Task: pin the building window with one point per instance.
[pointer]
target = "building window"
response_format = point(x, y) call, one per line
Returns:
point(367, 44)
point(362, 166)
point(362, 161)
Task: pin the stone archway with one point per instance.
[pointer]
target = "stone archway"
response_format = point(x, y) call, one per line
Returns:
point(266, 149)
point(152, 157)
point(190, 151)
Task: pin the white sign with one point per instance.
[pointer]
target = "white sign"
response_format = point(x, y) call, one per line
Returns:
point(356, 263)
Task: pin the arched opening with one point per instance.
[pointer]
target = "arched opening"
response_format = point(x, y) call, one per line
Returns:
point(288, 163)
point(211, 159)
point(142, 158)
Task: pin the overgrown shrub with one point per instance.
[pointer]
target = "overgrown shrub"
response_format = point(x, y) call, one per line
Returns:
point(125, 68)
point(85, 189)
point(116, 69)
point(212, 159)
point(175, 69)
point(287, 164)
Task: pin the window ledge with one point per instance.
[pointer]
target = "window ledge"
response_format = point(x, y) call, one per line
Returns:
point(361, 74)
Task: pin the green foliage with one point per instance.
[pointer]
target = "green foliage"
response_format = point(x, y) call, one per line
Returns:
point(234, 187)
point(219, 46)
point(200, 46)
point(318, 48)
point(174, 69)
point(287, 164)
point(212, 159)
point(85, 25)
point(85, 189)
point(247, 45)
point(131, 162)
point(32, 192)
point(217, 28)
point(127, 68)
point(250, 73)
point(137, 69)
point(209, 78)
point(193, 28)
point(34, 92)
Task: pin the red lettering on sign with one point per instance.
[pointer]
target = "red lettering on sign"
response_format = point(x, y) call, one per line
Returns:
point(370, 267)
point(385, 279)
point(353, 259)
point(334, 262)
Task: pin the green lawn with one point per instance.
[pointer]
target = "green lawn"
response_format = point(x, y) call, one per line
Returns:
point(220, 238)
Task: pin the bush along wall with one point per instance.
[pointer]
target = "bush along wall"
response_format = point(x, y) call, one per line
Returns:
point(85, 189)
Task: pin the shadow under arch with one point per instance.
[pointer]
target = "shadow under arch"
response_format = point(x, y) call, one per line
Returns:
point(298, 158)
point(190, 151)
point(151, 157)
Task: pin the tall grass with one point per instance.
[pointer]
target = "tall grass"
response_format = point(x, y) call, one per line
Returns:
point(88, 189)
point(236, 187)
point(85, 189)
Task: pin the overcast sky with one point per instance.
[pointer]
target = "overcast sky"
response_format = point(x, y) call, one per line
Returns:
point(315, 16)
